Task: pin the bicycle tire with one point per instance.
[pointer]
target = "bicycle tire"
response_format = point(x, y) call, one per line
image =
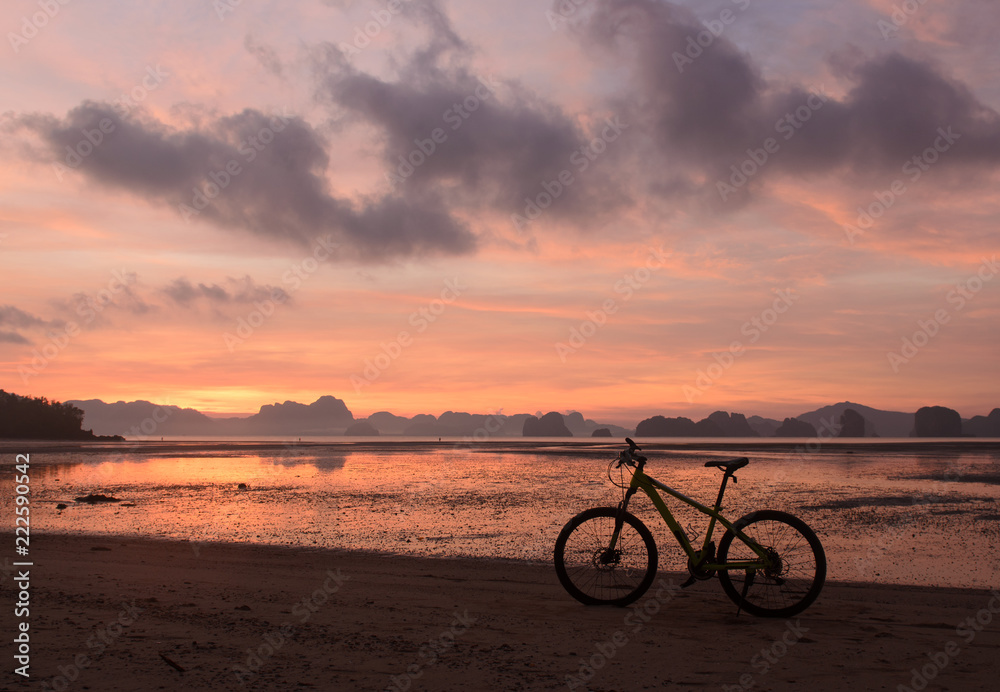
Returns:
point(584, 540)
point(802, 569)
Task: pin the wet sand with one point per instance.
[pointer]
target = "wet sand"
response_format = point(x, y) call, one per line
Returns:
point(555, 445)
point(133, 614)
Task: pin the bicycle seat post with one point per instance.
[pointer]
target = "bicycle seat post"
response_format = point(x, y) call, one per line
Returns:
point(722, 489)
point(730, 468)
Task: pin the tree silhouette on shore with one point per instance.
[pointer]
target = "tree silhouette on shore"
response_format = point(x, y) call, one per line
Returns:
point(37, 418)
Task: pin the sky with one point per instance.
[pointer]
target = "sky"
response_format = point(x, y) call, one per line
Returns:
point(618, 207)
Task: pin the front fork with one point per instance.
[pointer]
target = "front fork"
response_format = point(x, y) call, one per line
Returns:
point(622, 508)
point(610, 553)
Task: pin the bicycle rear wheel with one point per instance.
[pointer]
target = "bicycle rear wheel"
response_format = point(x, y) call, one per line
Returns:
point(595, 575)
point(797, 576)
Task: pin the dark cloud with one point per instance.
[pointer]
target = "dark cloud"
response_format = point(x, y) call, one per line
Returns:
point(692, 107)
point(497, 142)
point(12, 338)
point(243, 290)
point(248, 172)
point(704, 105)
point(14, 318)
point(498, 145)
point(897, 106)
point(491, 152)
point(11, 316)
point(701, 106)
point(102, 303)
point(182, 291)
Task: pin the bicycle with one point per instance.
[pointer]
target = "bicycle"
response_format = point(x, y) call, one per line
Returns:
point(607, 556)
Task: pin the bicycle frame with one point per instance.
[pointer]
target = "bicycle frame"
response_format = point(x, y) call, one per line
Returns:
point(649, 485)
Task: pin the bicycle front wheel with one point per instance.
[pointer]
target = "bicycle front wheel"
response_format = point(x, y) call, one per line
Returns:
point(799, 565)
point(594, 572)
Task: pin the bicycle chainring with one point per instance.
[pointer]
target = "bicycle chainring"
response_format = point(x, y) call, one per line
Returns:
point(696, 571)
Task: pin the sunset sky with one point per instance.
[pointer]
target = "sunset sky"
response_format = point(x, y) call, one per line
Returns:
point(624, 208)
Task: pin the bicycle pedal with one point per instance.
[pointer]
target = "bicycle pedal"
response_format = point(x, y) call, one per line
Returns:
point(691, 580)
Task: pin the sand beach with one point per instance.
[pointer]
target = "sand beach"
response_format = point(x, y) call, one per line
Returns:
point(111, 613)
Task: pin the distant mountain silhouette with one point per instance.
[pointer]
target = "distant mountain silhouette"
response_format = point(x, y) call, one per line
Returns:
point(329, 415)
point(884, 423)
point(659, 426)
point(733, 425)
point(582, 427)
point(144, 418)
point(937, 421)
point(793, 427)
point(459, 424)
point(764, 427)
point(422, 424)
point(361, 428)
point(601, 432)
point(549, 425)
point(325, 416)
point(719, 424)
point(983, 426)
point(389, 423)
point(853, 424)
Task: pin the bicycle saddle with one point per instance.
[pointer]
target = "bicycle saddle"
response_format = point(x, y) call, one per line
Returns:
point(730, 465)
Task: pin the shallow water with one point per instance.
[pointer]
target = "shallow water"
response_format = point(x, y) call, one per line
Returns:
point(929, 518)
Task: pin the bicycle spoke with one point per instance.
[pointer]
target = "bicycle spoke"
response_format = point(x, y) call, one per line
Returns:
point(797, 569)
point(592, 573)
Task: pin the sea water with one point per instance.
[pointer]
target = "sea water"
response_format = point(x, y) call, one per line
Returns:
point(910, 517)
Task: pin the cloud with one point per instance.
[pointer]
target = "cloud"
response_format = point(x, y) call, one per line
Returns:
point(897, 105)
point(704, 105)
point(248, 172)
point(99, 308)
point(15, 318)
point(497, 142)
point(183, 292)
point(252, 172)
point(11, 316)
point(243, 290)
point(689, 120)
point(12, 338)
point(127, 297)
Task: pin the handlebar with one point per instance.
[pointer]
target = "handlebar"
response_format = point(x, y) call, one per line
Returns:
point(628, 456)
